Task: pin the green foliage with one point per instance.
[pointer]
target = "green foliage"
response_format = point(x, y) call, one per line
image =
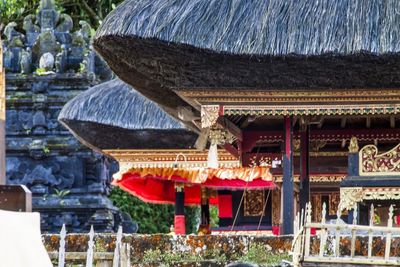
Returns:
point(258, 253)
point(60, 193)
point(214, 219)
point(152, 218)
point(93, 11)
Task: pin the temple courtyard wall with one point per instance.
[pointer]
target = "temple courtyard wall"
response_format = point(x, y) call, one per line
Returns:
point(210, 250)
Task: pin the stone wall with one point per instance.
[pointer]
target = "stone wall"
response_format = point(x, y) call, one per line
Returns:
point(156, 249)
point(47, 64)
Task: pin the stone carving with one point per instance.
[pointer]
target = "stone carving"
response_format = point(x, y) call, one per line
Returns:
point(39, 179)
point(26, 61)
point(47, 32)
point(65, 24)
point(69, 182)
point(46, 61)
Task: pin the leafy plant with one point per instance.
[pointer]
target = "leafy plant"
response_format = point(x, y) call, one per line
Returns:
point(46, 150)
point(61, 193)
point(258, 253)
point(152, 218)
point(41, 71)
point(93, 11)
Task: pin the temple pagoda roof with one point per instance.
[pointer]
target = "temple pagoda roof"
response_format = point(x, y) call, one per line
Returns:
point(165, 47)
point(112, 115)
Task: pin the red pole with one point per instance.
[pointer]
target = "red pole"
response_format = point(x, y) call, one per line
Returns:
point(179, 219)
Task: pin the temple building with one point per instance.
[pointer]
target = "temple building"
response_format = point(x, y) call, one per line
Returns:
point(301, 91)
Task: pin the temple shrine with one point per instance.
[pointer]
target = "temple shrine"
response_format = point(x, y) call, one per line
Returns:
point(304, 93)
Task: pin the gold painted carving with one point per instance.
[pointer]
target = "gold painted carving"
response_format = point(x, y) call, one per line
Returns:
point(254, 201)
point(334, 200)
point(349, 197)
point(312, 109)
point(220, 136)
point(276, 207)
point(316, 205)
point(372, 163)
point(320, 178)
point(381, 193)
point(193, 158)
point(353, 147)
point(209, 115)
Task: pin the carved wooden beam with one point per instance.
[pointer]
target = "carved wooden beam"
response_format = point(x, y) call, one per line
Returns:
point(231, 149)
point(343, 122)
point(250, 138)
point(392, 122)
point(231, 127)
point(368, 122)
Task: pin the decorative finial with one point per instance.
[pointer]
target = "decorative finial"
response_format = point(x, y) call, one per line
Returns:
point(353, 147)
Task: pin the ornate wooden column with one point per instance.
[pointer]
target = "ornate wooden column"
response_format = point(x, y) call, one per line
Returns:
point(2, 119)
point(304, 164)
point(179, 219)
point(287, 183)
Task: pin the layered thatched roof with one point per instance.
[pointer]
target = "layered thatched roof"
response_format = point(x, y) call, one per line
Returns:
point(272, 27)
point(163, 45)
point(113, 115)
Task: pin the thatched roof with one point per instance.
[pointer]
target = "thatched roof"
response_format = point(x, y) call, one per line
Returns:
point(113, 115)
point(164, 45)
point(273, 27)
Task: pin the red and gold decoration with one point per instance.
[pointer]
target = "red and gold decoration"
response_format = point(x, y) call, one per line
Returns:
point(372, 163)
point(156, 185)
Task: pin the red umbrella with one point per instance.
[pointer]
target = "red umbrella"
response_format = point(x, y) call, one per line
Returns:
point(157, 185)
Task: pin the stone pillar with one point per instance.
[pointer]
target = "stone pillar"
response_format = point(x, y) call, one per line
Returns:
point(179, 220)
point(304, 165)
point(287, 184)
point(2, 119)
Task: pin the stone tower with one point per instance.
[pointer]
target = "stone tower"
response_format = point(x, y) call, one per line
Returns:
point(47, 65)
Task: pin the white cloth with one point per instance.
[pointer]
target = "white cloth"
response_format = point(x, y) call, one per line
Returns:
point(20, 240)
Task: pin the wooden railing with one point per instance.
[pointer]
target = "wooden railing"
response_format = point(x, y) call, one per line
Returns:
point(119, 258)
point(335, 231)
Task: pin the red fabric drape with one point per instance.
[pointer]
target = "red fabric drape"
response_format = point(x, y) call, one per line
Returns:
point(157, 185)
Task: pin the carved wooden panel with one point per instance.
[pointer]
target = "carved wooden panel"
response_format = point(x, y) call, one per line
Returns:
point(316, 207)
point(254, 201)
point(276, 207)
point(372, 163)
point(334, 200)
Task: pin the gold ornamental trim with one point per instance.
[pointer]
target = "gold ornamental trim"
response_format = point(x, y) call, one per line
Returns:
point(167, 158)
point(317, 178)
point(307, 110)
point(209, 115)
point(371, 163)
point(206, 96)
point(350, 196)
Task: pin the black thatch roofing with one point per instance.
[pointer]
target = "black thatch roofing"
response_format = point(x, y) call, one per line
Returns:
point(159, 45)
point(113, 115)
point(263, 27)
